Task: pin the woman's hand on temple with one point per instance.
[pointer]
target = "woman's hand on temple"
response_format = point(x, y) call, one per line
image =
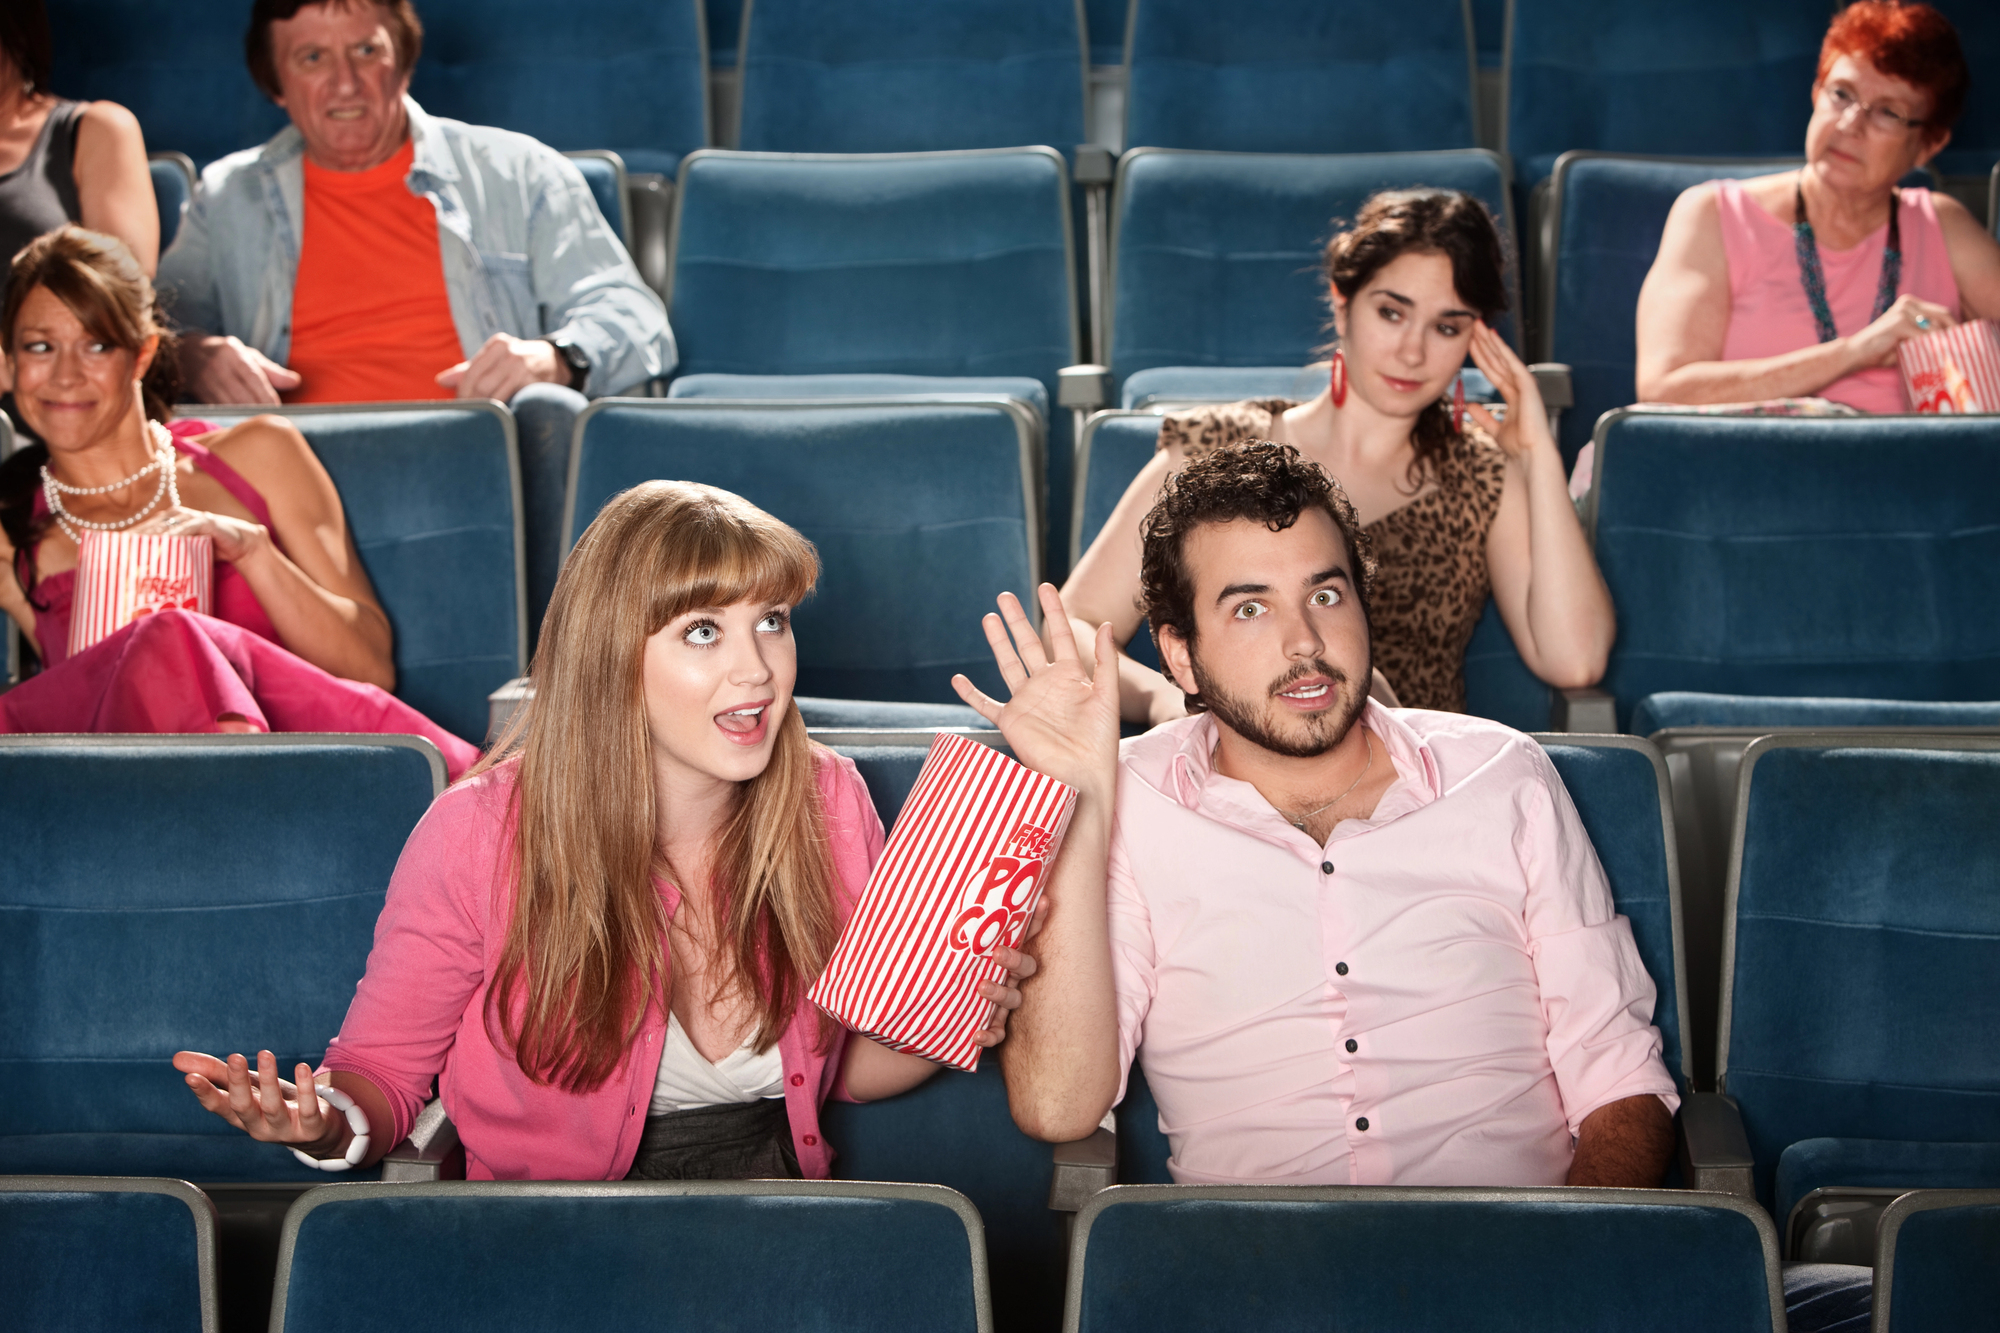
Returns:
point(1876, 345)
point(1526, 428)
point(1061, 719)
point(261, 1104)
point(235, 538)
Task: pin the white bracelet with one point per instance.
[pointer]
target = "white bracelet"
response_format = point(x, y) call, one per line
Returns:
point(357, 1120)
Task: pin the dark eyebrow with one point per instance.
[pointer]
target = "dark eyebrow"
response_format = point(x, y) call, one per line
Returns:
point(1328, 575)
point(1235, 588)
point(1404, 300)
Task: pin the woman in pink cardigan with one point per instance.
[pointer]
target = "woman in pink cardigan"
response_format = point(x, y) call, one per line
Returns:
point(599, 944)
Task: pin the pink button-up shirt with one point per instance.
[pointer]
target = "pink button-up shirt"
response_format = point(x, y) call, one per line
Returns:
point(1437, 996)
point(420, 1011)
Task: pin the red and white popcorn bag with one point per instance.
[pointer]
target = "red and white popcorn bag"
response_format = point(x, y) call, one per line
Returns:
point(121, 576)
point(961, 874)
point(1955, 370)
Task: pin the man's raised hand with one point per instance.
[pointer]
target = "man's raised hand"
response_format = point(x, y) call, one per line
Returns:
point(1061, 717)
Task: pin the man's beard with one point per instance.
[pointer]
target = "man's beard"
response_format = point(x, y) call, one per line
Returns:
point(1323, 730)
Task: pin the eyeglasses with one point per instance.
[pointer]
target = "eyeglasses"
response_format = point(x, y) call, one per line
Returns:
point(1837, 99)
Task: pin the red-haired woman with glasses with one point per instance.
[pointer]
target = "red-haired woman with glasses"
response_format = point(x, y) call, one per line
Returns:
point(1802, 284)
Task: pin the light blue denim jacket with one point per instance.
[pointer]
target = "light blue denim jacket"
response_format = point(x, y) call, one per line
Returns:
point(525, 250)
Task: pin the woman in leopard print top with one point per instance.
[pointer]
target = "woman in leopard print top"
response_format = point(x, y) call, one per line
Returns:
point(1454, 510)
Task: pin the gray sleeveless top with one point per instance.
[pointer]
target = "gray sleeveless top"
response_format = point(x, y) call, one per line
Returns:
point(40, 194)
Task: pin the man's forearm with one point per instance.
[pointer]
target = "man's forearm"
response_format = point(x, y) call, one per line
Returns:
point(1061, 1054)
point(1624, 1144)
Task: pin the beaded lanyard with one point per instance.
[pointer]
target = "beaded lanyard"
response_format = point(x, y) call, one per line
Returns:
point(1813, 278)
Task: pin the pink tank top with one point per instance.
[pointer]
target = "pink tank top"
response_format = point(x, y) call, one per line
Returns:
point(1768, 311)
point(234, 601)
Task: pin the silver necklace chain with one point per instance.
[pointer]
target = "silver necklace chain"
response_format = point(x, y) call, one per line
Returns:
point(1300, 822)
point(168, 489)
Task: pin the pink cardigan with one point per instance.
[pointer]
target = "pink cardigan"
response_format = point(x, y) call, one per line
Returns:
point(420, 1010)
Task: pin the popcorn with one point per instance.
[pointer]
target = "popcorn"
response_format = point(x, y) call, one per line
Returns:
point(121, 576)
point(1955, 370)
point(960, 876)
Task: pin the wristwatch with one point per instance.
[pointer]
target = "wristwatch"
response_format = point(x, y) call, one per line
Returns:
point(573, 357)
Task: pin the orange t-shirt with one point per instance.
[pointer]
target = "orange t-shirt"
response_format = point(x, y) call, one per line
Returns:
point(371, 321)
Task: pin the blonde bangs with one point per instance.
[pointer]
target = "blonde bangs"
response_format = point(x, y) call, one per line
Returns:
point(728, 552)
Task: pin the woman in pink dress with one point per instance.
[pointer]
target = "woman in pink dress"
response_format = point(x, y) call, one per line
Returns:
point(296, 641)
point(1803, 284)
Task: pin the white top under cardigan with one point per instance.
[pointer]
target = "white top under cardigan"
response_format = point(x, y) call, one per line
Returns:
point(688, 1079)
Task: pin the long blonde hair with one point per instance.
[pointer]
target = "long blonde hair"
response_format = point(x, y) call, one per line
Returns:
point(586, 945)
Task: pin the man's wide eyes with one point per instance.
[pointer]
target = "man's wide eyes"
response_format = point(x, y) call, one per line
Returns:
point(1249, 610)
point(1326, 597)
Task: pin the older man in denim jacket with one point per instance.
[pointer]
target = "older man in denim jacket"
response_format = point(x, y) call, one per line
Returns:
point(370, 251)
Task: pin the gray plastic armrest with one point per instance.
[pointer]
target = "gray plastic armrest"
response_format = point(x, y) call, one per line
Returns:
point(1714, 1150)
point(503, 703)
point(1553, 379)
point(1082, 1169)
point(432, 1152)
point(1589, 710)
point(1086, 387)
point(1095, 164)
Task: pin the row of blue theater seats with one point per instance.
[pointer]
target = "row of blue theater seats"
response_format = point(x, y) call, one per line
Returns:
point(93, 1254)
point(1701, 76)
point(1859, 939)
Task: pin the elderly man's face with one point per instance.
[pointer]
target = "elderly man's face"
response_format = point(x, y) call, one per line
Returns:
point(341, 84)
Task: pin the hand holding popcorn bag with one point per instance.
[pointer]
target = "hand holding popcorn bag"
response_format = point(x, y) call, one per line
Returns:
point(961, 874)
point(121, 576)
point(1955, 370)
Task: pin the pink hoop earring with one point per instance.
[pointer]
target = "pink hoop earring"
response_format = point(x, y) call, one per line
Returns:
point(1337, 379)
point(1458, 406)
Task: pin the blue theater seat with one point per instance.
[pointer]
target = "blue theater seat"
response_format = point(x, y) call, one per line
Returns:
point(1216, 256)
point(1300, 76)
point(630, 76)
point(1710, 77)
point(1934, 1261)
point(1834, 557)
point(1682, 709)
point(432, 493)
point(949, 266)
point(922, 513)
point(1858, 963)
point(182, 892)
point(178, 68)
point(1974, 149)
point(83, 1254)
point(672, 1256)
point(1107, 21)
point(909, 76)
point(173, 185)
point(604, 172)
point(1607, 214)
point(1171, 1258)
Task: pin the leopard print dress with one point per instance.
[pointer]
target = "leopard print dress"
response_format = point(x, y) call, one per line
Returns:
point(1431, 581)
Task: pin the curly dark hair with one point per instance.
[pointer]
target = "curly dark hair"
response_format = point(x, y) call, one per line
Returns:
point(1393, 223)
point(400, 15)
point(1257, 479)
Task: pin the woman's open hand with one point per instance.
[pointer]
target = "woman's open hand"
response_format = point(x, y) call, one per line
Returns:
point(1876, 345)
point(234, 538)
point(261, 1104)
point(1060, 719)
point(1526, 428)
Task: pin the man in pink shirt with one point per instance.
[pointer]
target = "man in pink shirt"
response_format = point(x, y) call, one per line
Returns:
point(1351, 944)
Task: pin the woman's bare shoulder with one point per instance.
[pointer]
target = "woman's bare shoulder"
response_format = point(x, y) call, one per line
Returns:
point(266, 449)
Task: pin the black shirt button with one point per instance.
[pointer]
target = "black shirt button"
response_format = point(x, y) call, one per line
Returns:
point(1341, 968)
point(1362, 1124)
point(1326, 867)
point(1352, 1045)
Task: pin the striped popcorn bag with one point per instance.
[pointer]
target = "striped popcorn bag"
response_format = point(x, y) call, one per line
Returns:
point(1955, 370)
point(121, 576)
point(961, 873)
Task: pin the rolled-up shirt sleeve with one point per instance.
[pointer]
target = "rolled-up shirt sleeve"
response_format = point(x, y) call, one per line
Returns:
point(1132, 956)
point(1597, 997)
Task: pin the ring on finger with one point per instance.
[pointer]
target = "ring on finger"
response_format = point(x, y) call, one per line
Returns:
point(1923, 322)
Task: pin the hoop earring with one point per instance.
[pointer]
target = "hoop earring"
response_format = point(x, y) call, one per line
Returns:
point(1458, 406)
point(1337, 379)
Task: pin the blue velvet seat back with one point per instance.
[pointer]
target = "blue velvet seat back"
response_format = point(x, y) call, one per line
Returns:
point(1858, 966)
point(1143, 1148)
point(601, 175)
point(1682, 708)
point(1189, 1260)
point(171, 192)
point(1300, 76)
point(910, 76)
point(209, 896)
point(622, 1256)
point(1120, 446)
point(178, 68)
point(1106, 20)
point(1975, 140)
point(1812, 1164)
point(83, 1261)
point(725, 24)
point(1498, 683)
point(1721, 78)
point(1216, 256)
point(1609, 214)
point(1842, 558)
point(628, 75)
point(918, 511)
point(1944, 1275)
point(890, 771)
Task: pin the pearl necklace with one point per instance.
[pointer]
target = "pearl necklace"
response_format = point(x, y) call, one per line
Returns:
point(168, 489)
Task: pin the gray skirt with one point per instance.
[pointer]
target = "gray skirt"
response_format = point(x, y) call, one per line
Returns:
point(746, 1141)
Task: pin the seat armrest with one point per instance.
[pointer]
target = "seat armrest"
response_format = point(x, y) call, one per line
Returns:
point(1714, 1150)
point(1082, 1169)
point(432, 1152)
point(1094, 164)
point(1085, 387)
point(1588, 710)
point(1553, 379)
point(503, 703)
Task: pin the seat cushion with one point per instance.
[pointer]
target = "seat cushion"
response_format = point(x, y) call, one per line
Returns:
point(1811, 1164)
point(1019, 387)
point(875, 715)
point(1685, 708)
